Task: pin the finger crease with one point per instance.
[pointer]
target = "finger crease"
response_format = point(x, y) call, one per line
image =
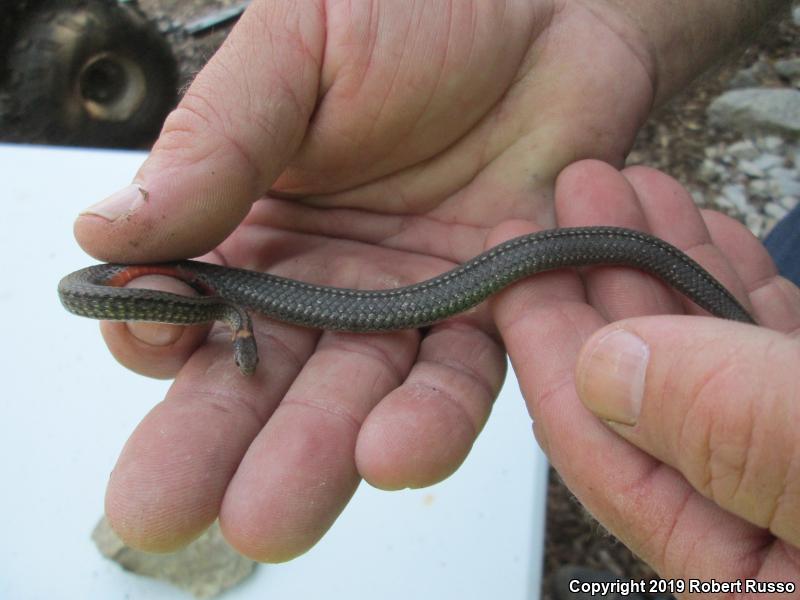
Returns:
point(333, 409)
point(449, 399)
point(230, 404)
point(375, 353)
point(462, 370)
point(284, 349)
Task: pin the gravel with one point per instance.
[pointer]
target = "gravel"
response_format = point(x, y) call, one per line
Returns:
point(755, 180)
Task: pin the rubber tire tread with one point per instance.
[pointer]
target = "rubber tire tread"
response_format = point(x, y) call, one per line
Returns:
point(53, 42)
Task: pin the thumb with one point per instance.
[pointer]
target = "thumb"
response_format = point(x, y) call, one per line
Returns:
point(716, 400)
point(223, 146)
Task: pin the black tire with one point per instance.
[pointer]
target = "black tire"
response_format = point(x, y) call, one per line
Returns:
point(88, 73)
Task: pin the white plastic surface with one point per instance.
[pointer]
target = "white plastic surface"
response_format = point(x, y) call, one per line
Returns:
point(66, 409)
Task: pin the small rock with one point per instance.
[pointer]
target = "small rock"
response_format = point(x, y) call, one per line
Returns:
point(743, 149)
point(796, 15)
point(751, 169)
point(771, 143)
point(765, 162)
point(784, 182)
point(749, 77)
point(698, 196)
point(205, 568)
point(736, 195)
point(789, 202)
point(757, 110)
point(788, 68)
point(759, 189)
point(769, 223)
point(755, 223)
point(721, 202)
point(709, 170)
point(775, 210)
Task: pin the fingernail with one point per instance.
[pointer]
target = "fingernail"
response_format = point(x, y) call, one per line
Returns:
point(155, 334)
point(611, 376)
point(120, 203)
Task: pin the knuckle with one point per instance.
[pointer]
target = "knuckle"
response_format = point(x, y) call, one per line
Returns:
point(191, 120)
point(195, 130)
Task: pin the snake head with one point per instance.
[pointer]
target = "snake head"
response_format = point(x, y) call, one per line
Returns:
point(245, 352)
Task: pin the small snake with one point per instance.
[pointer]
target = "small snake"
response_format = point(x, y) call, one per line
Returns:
point(96, 291)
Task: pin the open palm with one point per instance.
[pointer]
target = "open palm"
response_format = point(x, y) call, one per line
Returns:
point(392, 137)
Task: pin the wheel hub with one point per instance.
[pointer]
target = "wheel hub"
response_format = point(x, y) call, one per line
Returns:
point(111, 87)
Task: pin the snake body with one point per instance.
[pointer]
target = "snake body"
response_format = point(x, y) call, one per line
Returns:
point(94, 291)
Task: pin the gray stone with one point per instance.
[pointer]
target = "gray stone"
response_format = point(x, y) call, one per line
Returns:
point(751, 169)
point(205, 568)
point(736, 195)
point(784, 182)
point(711, 152)
point(771, 143)
point(755, 223)
point(757, 110)
point(788, 68)
point(721, 202)
point(796, 14)
point(698, 196)
point(709, 170)
point(765, 162)
point(775, 210)
point(759, 189)
point(789, 202)
point(749, 77)
point(743, 149)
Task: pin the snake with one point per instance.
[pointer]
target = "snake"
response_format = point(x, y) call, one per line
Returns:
point(227, 294)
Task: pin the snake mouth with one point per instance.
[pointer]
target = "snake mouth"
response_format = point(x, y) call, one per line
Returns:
point(111, 87)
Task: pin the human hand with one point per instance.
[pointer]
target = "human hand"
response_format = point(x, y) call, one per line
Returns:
point(696, 465)
point(404, 134)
